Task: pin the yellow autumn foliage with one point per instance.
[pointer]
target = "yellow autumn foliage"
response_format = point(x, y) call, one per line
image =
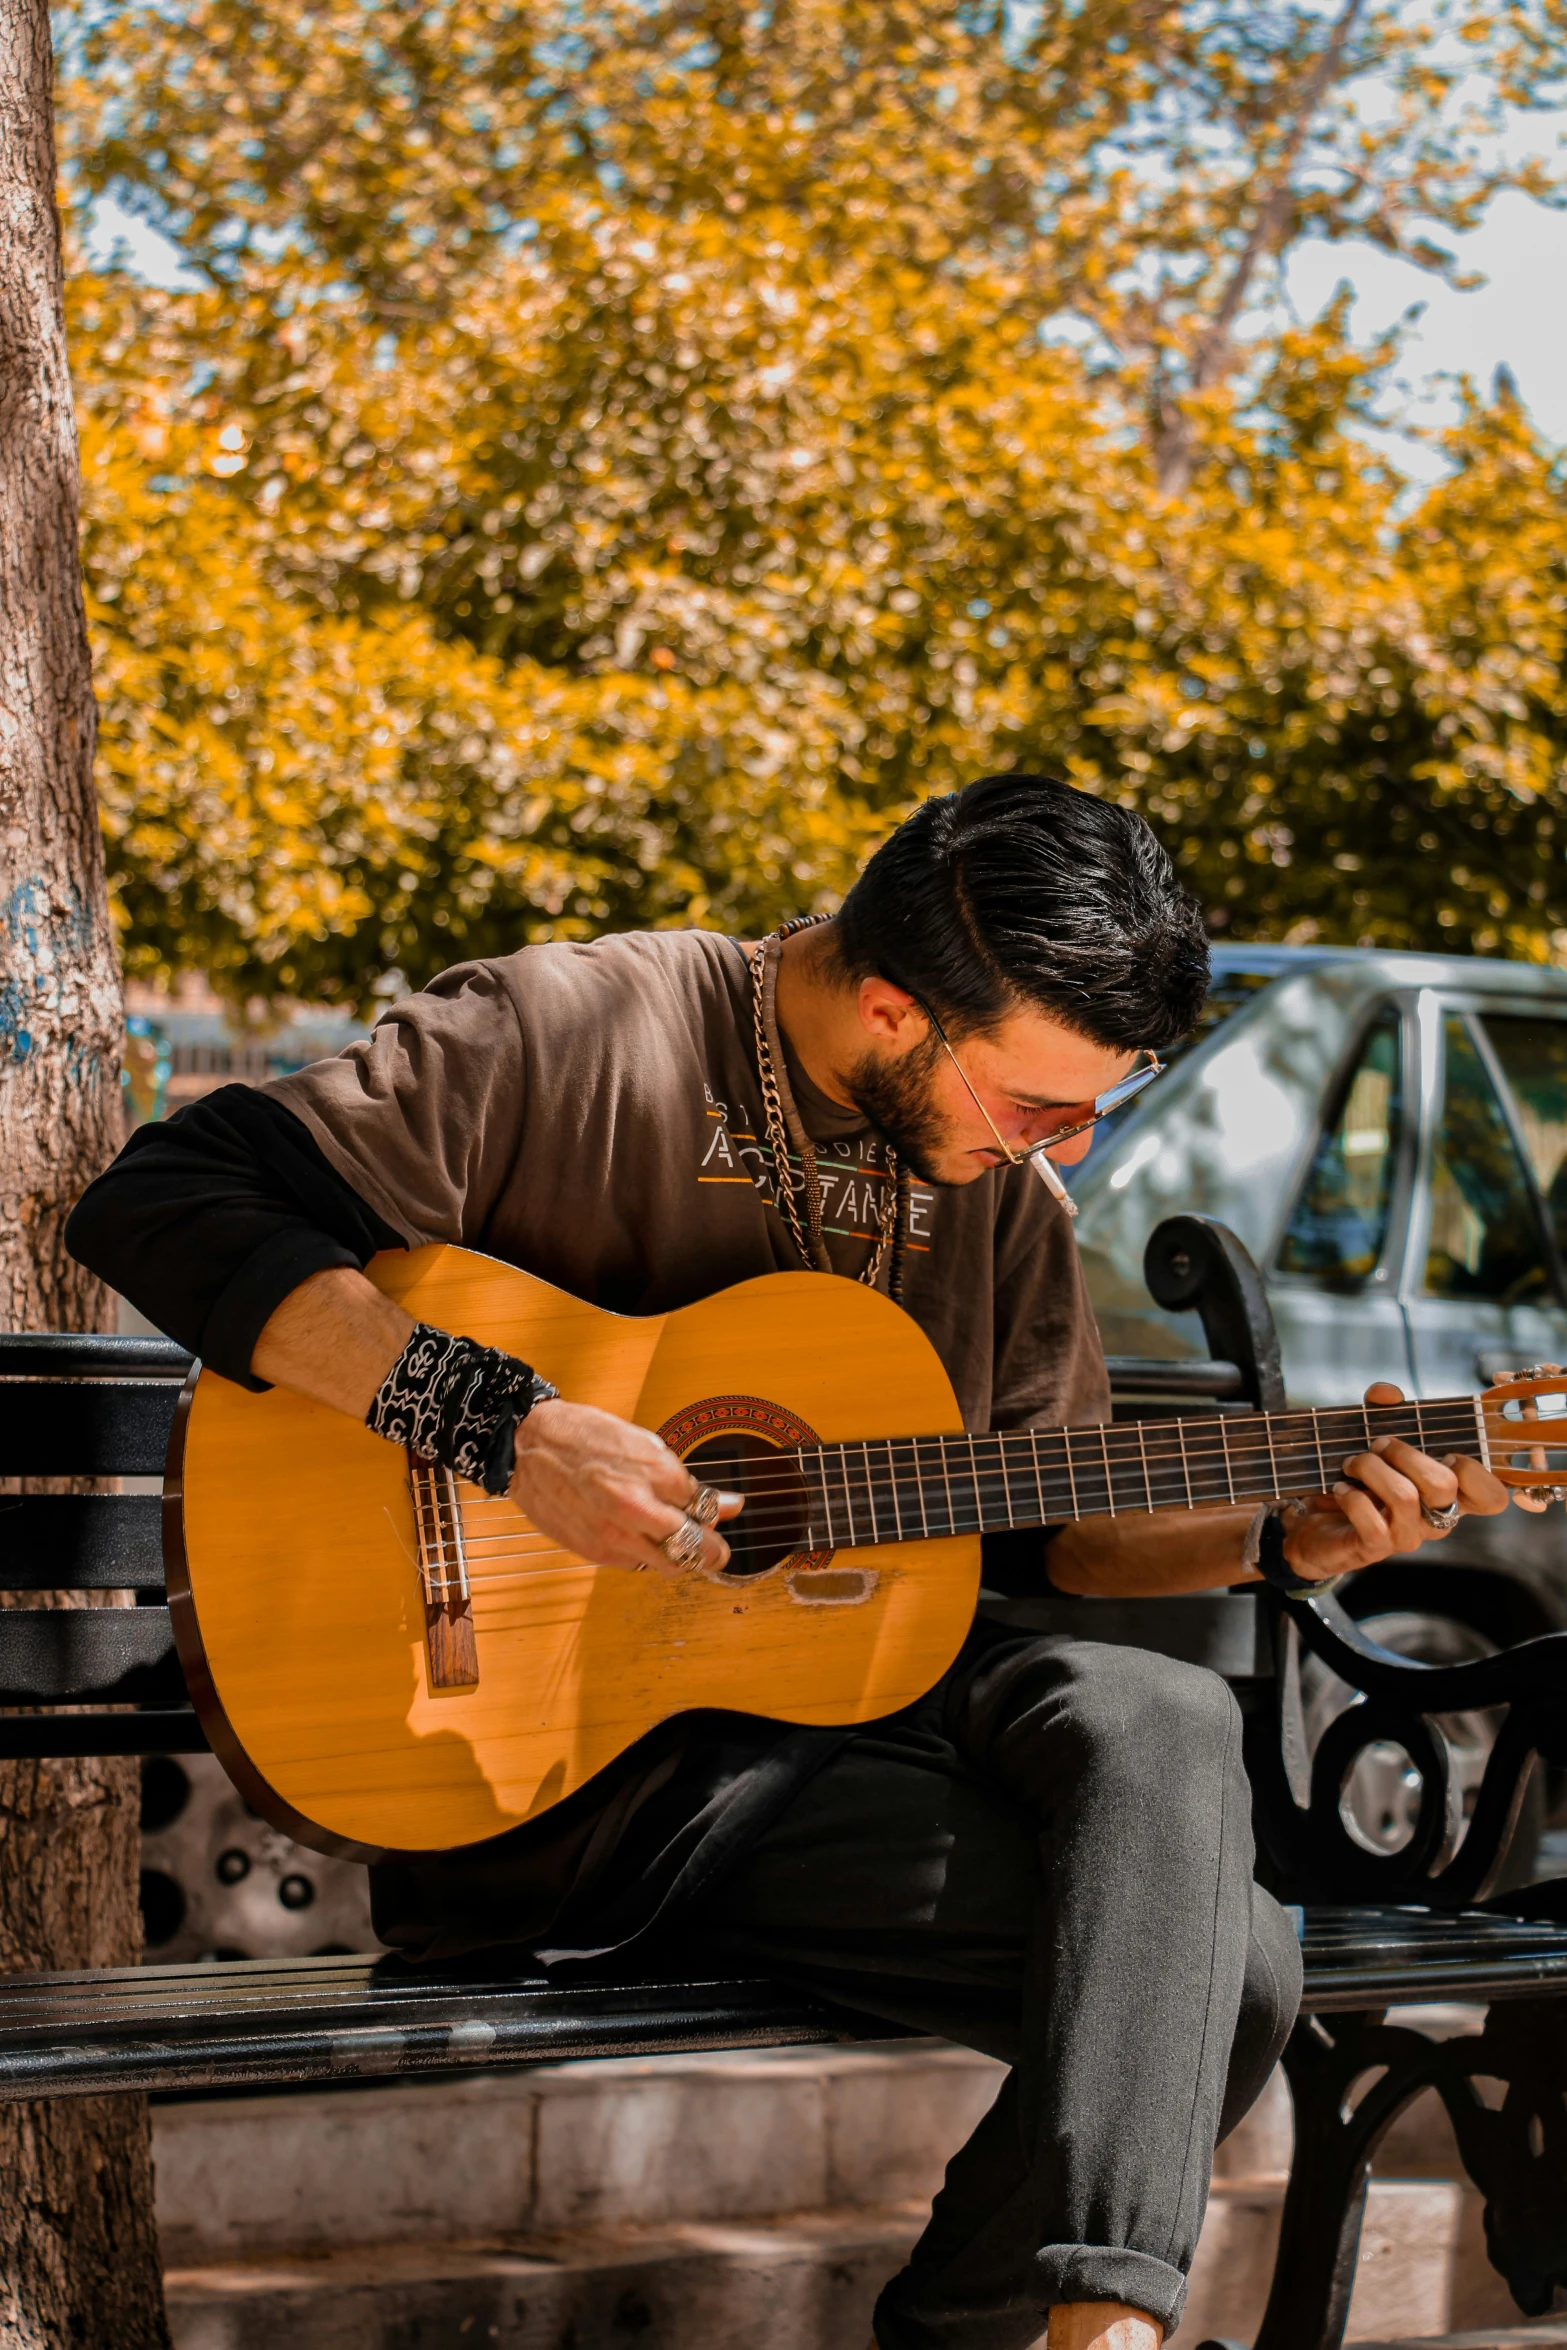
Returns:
point(557, 511)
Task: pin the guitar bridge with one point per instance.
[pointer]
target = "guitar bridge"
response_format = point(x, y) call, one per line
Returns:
point(450, 1647)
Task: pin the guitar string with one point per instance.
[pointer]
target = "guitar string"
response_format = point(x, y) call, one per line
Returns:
point(1195, 1438)
point(889, 1458)
point(506, 1544)
point(572, 1563)
point(1193, 1451)
point(890, 1461)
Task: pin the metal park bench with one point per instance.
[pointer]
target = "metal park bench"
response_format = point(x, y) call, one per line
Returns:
point(1382, 1929)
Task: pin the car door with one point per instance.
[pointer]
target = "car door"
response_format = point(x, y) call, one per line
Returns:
point(1333, 1278)
point(1483, 1286)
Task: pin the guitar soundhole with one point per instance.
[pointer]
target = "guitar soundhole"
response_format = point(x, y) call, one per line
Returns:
point(775, 1521)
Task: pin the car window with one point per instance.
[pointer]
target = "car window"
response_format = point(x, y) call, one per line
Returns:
point(1485, 1240)
point(1533, 1056)
point(1340, 1221)
point(1229, 993)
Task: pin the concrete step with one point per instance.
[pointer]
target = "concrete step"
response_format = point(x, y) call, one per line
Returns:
point(694, 2188)
point(576, 2146)
point(803, 2281)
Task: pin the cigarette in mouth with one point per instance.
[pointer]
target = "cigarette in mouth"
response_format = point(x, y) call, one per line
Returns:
point(1053, 1183)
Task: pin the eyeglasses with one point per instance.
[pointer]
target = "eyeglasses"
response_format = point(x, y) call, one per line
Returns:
point(1105, 1104)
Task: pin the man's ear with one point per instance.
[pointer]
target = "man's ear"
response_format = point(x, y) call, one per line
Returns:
point(889, 1015)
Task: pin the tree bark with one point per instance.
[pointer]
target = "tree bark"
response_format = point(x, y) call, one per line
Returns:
point(78, 2247)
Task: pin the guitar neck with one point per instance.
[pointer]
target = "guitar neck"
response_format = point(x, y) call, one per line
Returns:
point(912, 1488)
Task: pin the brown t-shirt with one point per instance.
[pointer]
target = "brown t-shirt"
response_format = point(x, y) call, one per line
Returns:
point(592, 1113)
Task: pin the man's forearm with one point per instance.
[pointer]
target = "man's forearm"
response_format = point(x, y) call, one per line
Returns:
point(334, 1338)
point(1144, 1556)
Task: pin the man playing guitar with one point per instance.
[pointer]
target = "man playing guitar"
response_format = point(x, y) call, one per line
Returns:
point(1049, 1857)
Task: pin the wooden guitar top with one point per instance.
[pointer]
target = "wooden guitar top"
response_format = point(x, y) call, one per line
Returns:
point(349, 1715)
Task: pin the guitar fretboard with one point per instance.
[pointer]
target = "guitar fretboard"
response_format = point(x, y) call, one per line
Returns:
point(913, 1488)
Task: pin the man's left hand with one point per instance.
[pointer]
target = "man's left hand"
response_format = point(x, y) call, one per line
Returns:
point(1380, 1512)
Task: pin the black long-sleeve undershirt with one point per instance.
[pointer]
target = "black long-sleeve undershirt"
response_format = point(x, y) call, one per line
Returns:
point(207, 1221)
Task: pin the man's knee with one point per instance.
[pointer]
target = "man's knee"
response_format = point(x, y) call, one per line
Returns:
point(1150, 1718)
point(1074, 1725)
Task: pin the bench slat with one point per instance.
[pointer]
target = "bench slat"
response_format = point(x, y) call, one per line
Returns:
point(348, 2035)
point(259, 2021)
point(80, 1354)
point(160, 1730)
point(81, 1542)
point(88, 1656)
point(1176, 1375)
point(85, 1427)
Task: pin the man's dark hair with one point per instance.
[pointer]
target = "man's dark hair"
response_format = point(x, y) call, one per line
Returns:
point(1021, 890)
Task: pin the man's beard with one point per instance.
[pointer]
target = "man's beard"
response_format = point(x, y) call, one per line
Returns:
point(896, 1097)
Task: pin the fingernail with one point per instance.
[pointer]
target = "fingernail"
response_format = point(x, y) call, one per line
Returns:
point(1380, 1443)
point(735, 1500)
point(1341, 1487)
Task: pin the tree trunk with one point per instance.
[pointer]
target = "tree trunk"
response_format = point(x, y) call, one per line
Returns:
point(78, 2249)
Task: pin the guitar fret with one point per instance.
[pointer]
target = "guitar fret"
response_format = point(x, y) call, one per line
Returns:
point(1224, 1442)
point(848, 1492)
point(1104, 1446)
point(1186, 1466)
point(870, 1491)
point(1071, 1473)
point(832, 1540)
point(1006, 1481)
point(1196, 1460)
point(1142, 1447)
point(892, 1471)
point(946, 1479)
point(919, 1489)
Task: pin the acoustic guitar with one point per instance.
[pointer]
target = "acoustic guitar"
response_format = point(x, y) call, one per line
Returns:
point(388, 1659)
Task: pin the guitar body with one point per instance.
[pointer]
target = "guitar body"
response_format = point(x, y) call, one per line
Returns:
point(306, 1628)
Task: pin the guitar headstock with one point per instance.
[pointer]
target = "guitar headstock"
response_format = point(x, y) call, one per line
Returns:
point(1526, 1431)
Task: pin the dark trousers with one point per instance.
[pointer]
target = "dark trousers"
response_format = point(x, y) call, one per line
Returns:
point(1049, 1860)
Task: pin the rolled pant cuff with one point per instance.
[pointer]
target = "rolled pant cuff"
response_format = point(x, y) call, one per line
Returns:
point(1106, 2272)
point(907, 2320)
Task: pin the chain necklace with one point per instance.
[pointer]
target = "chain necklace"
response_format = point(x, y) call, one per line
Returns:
point(782, 1121)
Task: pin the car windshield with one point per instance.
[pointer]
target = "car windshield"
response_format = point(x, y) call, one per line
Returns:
point(1230, 992)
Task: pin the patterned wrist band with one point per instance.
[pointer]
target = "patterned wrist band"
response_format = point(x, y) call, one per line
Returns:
point(458, 1404)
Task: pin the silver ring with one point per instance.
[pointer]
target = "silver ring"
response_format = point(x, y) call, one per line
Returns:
point(685, 1544)
point(705, 1508)
point(1443, 1520)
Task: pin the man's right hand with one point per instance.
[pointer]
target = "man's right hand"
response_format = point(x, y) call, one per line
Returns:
point(608, 1490)
point(592, 1483)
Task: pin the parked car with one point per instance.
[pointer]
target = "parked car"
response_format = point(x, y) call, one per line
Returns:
point(1387, 1133)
